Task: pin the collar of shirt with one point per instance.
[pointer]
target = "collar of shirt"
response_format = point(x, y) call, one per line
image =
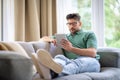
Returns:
point(77, 33)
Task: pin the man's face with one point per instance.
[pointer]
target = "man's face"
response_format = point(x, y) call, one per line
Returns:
point(73, 25)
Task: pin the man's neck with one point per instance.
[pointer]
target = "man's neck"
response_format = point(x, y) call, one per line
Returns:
point(75, 32)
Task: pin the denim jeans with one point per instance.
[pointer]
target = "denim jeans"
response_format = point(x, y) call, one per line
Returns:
point(79, 65)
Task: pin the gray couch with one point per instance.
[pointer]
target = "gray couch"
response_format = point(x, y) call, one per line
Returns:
point(16, 62)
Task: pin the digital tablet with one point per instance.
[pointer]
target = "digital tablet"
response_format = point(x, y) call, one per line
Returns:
point(59, 37)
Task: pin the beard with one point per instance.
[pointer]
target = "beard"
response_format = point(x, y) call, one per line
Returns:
point(73, 31)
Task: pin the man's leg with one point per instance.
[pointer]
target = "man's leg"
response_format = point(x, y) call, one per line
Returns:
point(79, 65)
point(43, 71)
point(62, 60)
point(82, 64)
point(46, 59)
point(89, 64)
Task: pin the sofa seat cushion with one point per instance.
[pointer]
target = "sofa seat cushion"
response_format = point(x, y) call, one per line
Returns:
point(74, 77)
point(107, 73)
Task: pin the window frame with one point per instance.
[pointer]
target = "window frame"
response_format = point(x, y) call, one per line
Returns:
point(98, 21)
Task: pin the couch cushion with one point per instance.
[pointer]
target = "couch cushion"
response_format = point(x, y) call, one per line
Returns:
point(3, 47)
point(107, 73)
point(55, 50)
point(27, 47)
point(109, 57)
point(74, 77)
point(47, 46)
point(13, 46)
point(40, 45)
point(14, 66)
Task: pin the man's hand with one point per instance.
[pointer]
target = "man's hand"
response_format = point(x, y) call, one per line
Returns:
point(48, 39)
point(66, 45)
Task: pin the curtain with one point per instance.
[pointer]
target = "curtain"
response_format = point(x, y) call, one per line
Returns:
point(34, 19)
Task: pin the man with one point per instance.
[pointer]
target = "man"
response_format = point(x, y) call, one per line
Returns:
point(79, 51)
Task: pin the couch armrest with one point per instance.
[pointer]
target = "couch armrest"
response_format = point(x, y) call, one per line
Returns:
point(14, 66)
point(109, 57)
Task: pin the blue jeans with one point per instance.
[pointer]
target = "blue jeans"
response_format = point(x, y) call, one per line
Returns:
point(79, 65)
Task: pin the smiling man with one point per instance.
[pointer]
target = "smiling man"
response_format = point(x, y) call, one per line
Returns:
point(79, 51)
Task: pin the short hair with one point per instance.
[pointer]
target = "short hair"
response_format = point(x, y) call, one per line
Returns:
point(75, 16)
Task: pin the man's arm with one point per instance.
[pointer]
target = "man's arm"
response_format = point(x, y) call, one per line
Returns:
point(91, 52)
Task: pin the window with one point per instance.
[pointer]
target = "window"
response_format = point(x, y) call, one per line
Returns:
point(84, 9)
point(112, 23)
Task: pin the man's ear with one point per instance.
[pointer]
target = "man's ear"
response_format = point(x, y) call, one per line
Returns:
point(80, 23)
